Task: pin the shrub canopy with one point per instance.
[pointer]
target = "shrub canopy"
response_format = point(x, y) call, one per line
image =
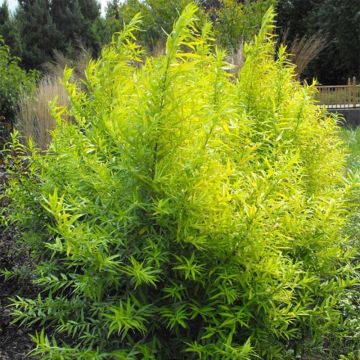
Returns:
point(185, 212)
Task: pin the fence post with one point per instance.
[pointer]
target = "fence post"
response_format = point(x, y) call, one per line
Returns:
point(354, 91)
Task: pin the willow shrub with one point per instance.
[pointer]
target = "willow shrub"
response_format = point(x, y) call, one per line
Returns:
point(186, 214)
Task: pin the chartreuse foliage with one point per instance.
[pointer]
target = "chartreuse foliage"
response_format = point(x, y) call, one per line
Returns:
point(185, 213)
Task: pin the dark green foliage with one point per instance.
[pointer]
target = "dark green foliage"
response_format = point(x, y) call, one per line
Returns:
point(42, 26)
point(75, 21)
point(186, 213)
point(158, 17)
point(9, 30)
point(117, 14)
point(13, 82)
point(237, 21)
point(67, 26)
point(112, 9)
point(38, 32)
point(339, 22)
point(234, 21)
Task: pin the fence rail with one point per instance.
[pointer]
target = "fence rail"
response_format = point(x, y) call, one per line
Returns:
point(340, 96)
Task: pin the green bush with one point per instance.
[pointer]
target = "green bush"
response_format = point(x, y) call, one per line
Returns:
point(157, 20)
point(185, 213)
point(238, 21)
point(13, 81)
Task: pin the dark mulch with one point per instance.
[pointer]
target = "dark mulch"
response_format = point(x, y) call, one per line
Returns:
point(15, 342)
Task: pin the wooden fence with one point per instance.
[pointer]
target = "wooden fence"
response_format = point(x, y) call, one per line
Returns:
point(340, 96)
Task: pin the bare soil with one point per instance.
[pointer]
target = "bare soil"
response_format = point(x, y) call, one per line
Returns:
point(15, 342)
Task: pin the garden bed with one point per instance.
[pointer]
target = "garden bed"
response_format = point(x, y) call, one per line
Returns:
point(15, 342)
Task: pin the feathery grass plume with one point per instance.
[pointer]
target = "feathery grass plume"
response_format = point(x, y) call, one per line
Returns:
point(305, 49)
point(185, 214)
point(236, 57)
point(56, 68)
point(34, 119)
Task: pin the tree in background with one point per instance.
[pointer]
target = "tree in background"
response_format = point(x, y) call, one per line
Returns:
point(237, 21)
point(9, 30)
point(63, 25)
point(339, 23)
point(75, 20)
point(120, 12)
point(38, 32)
point(42, 26)
point(161, 17)
point(158, 17)
point(112, 9)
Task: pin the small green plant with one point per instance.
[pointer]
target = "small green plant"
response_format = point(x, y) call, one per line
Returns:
point(186, 213)
point(34, 117)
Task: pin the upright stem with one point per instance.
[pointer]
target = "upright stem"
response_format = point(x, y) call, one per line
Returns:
point(161, 106)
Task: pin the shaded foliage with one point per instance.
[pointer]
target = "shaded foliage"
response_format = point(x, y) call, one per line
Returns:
point(66, 26)
point(13, 82)
point(39, 34)
point(339, 22)
point(236, 22)
point(9, 30)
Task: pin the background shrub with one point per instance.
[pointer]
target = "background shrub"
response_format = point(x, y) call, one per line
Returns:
point(13, 81)
point(186, 213)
